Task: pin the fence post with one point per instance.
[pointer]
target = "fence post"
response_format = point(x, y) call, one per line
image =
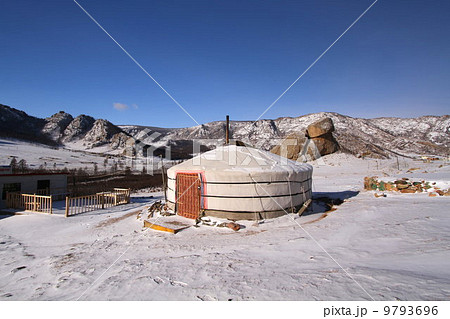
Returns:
point(34, 203)
point(67, 206)
point(103, 200)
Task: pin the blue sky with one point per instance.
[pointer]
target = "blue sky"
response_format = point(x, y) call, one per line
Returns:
point(224, 57)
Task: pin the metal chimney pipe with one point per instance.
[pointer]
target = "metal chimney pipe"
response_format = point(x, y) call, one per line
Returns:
point(227, 131)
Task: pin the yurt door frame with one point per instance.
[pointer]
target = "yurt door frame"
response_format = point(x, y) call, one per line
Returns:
point(188, 195)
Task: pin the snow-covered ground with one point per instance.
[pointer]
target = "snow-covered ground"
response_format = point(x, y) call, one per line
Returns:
point(71, 156)
point(388, 248)
point(53, 157)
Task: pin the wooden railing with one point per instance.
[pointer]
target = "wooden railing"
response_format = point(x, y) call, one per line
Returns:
point(83, 204)
point(74, 205)
point(122, 195)
point(28, 202)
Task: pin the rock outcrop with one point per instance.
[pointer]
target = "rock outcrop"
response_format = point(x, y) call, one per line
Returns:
point(78, 128)
point(291, 146)
point(316, 141)
point(120, 141)
point(321, 133)
point(320, 128)
point(101, 133)
point(56, 124)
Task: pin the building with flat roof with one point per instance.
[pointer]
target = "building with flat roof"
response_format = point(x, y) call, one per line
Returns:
point(31, 183)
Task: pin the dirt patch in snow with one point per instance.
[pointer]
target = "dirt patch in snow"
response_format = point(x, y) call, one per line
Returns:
point(112, 221)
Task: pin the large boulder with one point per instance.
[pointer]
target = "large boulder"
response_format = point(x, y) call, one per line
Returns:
point(326, 144)
point(320, 138)
point(290, 147)
point(321, 127)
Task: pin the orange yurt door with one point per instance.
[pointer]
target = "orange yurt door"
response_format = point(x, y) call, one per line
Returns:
point(188, 195)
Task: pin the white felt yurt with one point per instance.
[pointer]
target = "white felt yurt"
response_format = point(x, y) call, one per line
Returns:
point(238, 182)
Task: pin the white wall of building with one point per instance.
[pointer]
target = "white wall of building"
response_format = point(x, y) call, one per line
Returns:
point(29, 182)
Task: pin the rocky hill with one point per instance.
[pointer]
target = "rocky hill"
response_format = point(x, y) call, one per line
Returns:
point(61, 129)
point(379, 137)
point(56, 124)
point(18, 124)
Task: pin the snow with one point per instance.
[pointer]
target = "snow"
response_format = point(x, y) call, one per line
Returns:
point(395, 247)
point(71, 156)
point(37, 154)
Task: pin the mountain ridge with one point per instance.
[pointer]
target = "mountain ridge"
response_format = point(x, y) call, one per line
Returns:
point(60, 129)
point(378, 137)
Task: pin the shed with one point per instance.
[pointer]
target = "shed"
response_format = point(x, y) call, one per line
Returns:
point(33, 183)
point(238, 182)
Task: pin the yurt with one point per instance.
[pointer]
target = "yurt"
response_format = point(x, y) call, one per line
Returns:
point(237, 183)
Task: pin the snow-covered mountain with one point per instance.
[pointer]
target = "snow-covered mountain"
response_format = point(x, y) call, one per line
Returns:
point(379, 137)
point(18, 124)
point(56, 124)
point(83, 132)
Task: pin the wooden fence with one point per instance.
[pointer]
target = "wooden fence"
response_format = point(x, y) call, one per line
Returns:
point(32, 203)
point(122, 195)
point(88, 203)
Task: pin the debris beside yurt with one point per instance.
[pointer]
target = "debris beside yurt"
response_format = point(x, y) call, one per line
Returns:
point(172, 224)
